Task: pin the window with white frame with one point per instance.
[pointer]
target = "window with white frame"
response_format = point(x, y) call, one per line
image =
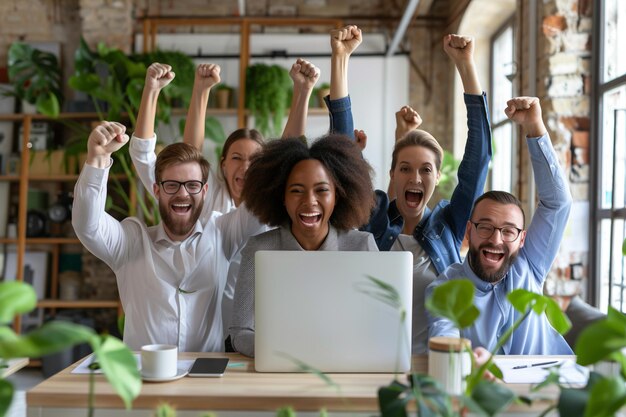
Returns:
point(609, 192)
point(503, 73)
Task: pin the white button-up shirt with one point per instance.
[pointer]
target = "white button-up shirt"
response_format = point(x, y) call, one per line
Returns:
point(171, 291)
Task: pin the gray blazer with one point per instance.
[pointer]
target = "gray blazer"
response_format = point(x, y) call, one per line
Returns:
point(242, 325)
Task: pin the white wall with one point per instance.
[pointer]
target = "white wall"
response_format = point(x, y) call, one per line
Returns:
point(378, 85)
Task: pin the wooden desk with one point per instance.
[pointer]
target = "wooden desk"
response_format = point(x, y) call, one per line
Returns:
point(14, 365)
point(240, 389)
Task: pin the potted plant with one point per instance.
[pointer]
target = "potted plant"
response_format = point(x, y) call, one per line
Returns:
point(115, 81)
point(36, 78)
point(322, 91)
point(267, 96)
point(455, 301)
point(223, 94)
point(113, 356)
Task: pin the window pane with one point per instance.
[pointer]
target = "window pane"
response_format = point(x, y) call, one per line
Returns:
point(617, 262)
point(618, 266)
point(502, 66)
point(614, 34)
point(502, 161)
point(605, 232)
point(613, 131)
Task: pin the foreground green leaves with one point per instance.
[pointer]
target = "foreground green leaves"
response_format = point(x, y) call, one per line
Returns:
point(6, 395)
point(119, 366)
point(602, 340)
point(116, 360)
point(15, 299)
point(454, 300)
point(523, 300)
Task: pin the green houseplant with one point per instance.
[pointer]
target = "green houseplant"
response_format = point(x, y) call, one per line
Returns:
point(322, 91)
point(223, 95)
point(267, 96)
point(114, 358)
point(455, 301)
point(114, 82)
point(36, 78)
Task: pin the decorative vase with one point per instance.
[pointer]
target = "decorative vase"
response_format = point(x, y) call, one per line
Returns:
point(449, 362)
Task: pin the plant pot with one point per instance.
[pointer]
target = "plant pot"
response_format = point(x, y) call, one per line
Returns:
point(321, 93)
point(47, 163)
point(449, 362)
point(223, 99)
point(28, 108)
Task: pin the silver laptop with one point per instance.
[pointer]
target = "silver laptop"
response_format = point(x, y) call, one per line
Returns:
point(319, 309)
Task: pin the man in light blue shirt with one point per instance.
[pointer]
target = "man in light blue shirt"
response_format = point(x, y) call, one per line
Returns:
point(503, 256)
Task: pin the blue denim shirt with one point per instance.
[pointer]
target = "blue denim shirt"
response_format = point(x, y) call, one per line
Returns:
point(441, 230)
point(340, 114)
point(535, 336)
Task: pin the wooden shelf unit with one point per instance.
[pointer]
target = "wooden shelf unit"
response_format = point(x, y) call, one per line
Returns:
point(52, 244)
point(151, 24)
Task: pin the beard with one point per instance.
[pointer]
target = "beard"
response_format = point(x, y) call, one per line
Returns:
point(174, 223)
point(479, 269)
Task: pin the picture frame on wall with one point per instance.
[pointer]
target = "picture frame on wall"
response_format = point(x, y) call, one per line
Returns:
point(35, 270)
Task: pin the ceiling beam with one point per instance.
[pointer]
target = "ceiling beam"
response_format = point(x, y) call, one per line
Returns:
point(404, 23)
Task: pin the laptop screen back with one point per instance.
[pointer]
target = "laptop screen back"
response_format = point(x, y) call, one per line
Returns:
point(319, 308)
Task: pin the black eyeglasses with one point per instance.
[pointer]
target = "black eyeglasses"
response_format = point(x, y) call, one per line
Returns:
point(508, 233)
point(172, 187)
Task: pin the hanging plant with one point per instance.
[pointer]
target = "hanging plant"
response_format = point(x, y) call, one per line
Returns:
point(267, 96)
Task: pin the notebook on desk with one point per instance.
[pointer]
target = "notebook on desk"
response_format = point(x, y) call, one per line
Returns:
point(316, 309)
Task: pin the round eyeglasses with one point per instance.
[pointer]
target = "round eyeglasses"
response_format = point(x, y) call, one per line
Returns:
point(508, 233)
point(172, 187)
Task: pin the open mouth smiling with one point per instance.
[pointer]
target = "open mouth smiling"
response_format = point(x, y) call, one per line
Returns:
point(413, 198)
point(181, 208)
point(310, 219)
point(493, 255)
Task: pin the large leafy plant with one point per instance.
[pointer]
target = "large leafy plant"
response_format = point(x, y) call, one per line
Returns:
point(114, 82)
point(604, 395)
point(36, 78)
point(267, 97)
point(454, 300)
point(115, 359)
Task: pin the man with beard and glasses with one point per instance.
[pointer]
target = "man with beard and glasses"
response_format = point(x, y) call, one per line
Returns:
point(171, 276)
point(503, 256)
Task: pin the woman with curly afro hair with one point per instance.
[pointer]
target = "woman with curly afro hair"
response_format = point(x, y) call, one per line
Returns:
point(316, 197)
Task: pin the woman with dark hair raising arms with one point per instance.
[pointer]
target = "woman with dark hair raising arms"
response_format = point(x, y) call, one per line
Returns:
point(315, 196)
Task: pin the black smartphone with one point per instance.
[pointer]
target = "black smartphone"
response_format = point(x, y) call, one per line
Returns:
point(208, 367)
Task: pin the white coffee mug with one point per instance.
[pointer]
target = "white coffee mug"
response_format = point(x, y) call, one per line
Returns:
point(449, 362)
point(159, 361)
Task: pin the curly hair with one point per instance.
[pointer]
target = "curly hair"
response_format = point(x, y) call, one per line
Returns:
point(266, 179)
point(180, 153)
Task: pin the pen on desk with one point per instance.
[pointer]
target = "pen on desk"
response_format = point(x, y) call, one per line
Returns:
point(532, 365)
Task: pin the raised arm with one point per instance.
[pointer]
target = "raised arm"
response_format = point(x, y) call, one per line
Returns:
point(157, 77)
point(343, 43)
point(472, 173)
point(100, 233)
point(207, 75)
point(461, 50)
point(545, 232)
point(304, 75)
point(407, 120)
point(143, 141)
